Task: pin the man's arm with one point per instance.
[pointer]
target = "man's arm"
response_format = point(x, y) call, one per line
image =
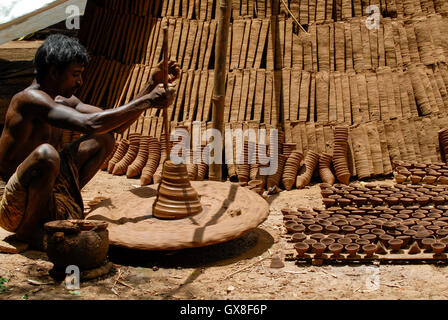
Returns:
point(41, 104)
point(82, 107)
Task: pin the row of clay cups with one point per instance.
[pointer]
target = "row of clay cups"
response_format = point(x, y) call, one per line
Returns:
point(411, 165)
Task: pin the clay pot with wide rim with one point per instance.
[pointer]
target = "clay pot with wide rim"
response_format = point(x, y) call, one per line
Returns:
point(395, 244)
point(438, 247)
point(370, 249)
point(301, 248)
point(77, 242)
point(319, 248)
point(352, 249)
point(335, 249)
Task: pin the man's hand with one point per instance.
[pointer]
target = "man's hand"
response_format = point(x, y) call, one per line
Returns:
point(156, 77)
point(173, 72)
point(159, 97)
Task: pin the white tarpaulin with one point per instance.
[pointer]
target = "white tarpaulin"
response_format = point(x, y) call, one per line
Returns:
point(13, 9)
point(21, 17)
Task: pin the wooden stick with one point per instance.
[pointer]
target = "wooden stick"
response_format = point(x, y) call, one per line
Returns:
point(165, 84)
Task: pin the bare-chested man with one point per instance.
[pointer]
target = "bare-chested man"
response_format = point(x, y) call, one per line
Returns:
point(38, 183)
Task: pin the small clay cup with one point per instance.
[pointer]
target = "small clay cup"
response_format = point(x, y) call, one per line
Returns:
point(395, 244)
point(319, 248)
point(298, 237)
point(336, 249)
point(327, 241)
point(352, 249)
point(345, 241)
point(427, 243)
point(438, 247)
point(301, 248)
point(289, 224)
point(369, 249)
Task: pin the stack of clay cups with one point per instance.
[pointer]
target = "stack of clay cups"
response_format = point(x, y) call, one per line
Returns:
point(443, 140)
point(325, 168)
point(340, 161)
point(274, 179)
point(152, 163)
point(311, 161)
point(192, 167)
point(291, 168)
point(109, 157)
point(157, 177)
point(137, 166)
point(121, 167)
point(264, 162)
point(242, 169)
point(288, 148)
point(118, 155)
point(203, 166)
point(252, 159)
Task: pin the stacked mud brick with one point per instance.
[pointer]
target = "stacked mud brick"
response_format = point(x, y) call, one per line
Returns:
point(388, 85)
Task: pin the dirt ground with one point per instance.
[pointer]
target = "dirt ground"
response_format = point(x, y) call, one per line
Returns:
point(235, 270)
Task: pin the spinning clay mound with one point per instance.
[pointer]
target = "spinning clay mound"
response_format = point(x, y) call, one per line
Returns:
point(229, 212)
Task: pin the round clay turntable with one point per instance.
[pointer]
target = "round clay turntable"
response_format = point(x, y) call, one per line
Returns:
point(229, 211)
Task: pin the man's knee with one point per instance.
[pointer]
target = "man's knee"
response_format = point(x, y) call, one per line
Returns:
point(47, 158)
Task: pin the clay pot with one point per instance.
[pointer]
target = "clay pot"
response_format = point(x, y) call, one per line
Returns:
point(429, 179)
point(315, 228)
point(298, 237)
point(77, 242)
point(427, 243)
point(344, 241)
point(352, 249)
point(319, 248)
point(415, 179)
point(400, 178)
point(438, 247)
point(336, 249)
point(301, 248)
point(289, 225)
point(327, 241)
point(395, 244)
point(370, 249)
point(370, 237)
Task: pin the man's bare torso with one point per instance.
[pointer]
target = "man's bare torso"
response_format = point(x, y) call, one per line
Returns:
point(22, 133)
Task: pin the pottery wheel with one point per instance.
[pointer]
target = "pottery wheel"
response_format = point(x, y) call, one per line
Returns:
point(229, 211)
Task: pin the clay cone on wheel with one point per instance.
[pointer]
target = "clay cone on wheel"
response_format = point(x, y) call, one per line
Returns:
point(325, 168)
point(176, 198)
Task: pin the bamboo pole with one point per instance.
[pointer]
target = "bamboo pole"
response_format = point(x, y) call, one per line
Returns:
point(219, 92)
point(165, 83)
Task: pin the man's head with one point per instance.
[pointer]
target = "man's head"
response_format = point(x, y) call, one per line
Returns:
point(61, 60)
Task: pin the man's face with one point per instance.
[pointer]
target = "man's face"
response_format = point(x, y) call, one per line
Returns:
point(70, 79)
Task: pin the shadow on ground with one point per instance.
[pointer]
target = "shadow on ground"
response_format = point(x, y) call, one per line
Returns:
point(253, 244)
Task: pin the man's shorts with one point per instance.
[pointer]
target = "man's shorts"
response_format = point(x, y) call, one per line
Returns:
point(64, 203)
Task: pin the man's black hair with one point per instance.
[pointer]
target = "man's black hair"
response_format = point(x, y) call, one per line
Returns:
point(59, 51)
